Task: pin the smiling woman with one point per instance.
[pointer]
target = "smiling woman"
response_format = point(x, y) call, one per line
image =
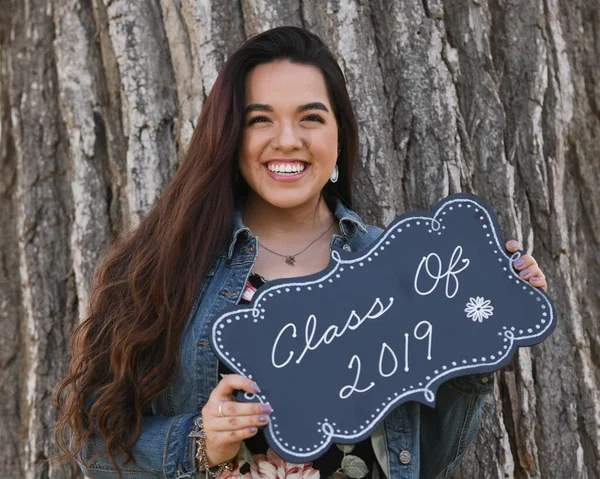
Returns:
point(272, 158)
point(288, 154)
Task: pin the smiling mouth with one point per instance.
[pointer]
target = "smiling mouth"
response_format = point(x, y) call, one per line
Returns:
point(290, 168)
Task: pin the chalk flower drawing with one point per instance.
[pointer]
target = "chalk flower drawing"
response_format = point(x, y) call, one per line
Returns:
point(479, 309)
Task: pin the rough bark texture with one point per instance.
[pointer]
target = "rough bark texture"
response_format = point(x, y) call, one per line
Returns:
point(99, 98)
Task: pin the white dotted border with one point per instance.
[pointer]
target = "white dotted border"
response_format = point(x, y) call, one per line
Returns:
point(434, 225)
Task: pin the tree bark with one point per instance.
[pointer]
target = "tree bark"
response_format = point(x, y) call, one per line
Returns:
point(99, 99)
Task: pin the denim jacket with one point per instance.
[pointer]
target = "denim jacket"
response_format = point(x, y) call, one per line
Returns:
point(413, 441)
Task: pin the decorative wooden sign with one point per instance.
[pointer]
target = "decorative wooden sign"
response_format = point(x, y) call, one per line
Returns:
point(434, 297)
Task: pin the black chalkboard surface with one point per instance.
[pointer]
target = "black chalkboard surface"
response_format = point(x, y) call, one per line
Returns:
point(434, 297)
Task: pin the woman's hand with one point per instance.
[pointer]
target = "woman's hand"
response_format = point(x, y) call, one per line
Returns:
point(228, 422)
point(527, 267)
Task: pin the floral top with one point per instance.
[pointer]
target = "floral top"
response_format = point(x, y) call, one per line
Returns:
point(257, 461)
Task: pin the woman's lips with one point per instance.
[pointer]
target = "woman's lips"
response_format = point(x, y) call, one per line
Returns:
point(287, 178)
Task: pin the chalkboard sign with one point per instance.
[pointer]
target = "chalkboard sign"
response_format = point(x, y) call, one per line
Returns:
point(434, 297)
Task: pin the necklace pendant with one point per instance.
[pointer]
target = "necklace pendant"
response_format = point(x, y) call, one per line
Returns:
point(290, 260)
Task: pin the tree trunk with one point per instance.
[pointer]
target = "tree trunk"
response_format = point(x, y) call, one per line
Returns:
point(98, 101)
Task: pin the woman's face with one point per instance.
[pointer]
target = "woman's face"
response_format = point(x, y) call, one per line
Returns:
point(290, 135)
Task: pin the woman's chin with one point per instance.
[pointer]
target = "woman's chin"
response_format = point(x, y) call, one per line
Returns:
point(291, 200)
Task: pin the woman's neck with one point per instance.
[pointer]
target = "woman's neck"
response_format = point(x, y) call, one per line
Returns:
point(268, 221)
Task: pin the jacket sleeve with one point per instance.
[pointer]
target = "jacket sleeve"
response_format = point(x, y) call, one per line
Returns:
point(449, 428)
point(162, 450)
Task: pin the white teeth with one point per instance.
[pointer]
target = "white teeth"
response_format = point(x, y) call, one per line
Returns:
point(289, 168)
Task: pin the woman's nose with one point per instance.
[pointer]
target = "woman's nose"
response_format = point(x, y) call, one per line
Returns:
point(287, 137)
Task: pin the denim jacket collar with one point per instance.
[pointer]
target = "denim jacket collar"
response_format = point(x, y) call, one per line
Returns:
point(349, 221)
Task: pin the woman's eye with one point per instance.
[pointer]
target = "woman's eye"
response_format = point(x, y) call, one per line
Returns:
point(314, 118)
point(263, 119)
point(258, 119)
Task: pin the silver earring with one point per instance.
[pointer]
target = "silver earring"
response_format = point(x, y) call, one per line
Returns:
point(335, 175)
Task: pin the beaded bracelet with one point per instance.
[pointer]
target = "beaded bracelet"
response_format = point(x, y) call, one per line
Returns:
point(200, 434)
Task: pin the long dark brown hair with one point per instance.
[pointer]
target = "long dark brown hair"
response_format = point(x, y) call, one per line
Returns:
point(126, 350)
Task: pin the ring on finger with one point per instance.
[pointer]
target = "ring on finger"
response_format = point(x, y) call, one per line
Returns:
point(221, 409)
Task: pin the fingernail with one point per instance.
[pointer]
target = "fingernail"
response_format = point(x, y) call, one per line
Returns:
point(525, 272)
point(520, 262)
point(262, 418)
point(253, 430)
point(514, 244)
point(255, 387)
point(266, 409)
point(535, 278)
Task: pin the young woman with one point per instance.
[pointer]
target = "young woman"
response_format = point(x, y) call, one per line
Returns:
point(263, 193)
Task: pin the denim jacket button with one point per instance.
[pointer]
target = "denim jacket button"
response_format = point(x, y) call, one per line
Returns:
point(346, 247)
point(404, 457)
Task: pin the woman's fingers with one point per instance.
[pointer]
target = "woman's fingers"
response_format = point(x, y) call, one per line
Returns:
point(233, 382)
point(226, 427)
point(235, 436)
point(228, 422)
point(222, 404)
point(539, 282)
point(223, 413)
point(513, 245)
point(234, 408)
point(525, 262)
point(530, 271)
point(534, 275)
point(527, 267)
point(237, 416)
point(238, 423)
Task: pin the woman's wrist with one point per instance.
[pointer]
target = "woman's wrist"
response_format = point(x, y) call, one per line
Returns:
point(201, 458)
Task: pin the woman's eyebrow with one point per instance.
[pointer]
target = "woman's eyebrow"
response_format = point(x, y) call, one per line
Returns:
point(316, 105)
